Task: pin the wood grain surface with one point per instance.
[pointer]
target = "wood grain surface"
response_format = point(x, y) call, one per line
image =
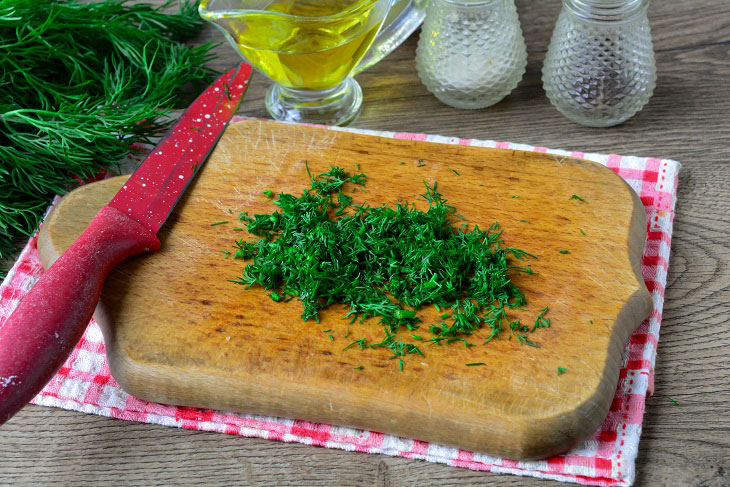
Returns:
point(687, 444)
point(178, 332)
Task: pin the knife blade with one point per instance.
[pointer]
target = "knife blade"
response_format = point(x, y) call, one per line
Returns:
point(42, 331)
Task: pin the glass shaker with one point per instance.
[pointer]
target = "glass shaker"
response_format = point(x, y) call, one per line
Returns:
point(471, 53)
point(599, 69)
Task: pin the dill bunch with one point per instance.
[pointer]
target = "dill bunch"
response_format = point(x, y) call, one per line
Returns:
point(80, 83)
point(388, 263)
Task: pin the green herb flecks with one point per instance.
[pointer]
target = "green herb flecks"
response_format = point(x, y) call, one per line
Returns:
point(541, 321)
point(385, 262)
point(565, 251)
point(84, 85)
point(562, 370)
point(673, 401)
point(218, 223)
point(475, 364)
point(576, 197)
point(456, 172)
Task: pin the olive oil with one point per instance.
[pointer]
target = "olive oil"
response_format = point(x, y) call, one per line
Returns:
point(312, 45)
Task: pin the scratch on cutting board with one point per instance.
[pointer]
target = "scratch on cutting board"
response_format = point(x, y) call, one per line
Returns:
point(559, 158)
point(276, 165)
point(311, 141)
point(189, 242)
point(221, 206)
point(430, 410)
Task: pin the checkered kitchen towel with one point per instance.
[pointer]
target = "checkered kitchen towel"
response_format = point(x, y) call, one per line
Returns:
point(606, 458)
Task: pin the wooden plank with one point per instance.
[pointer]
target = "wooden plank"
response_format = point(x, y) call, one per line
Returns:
point(178, 332)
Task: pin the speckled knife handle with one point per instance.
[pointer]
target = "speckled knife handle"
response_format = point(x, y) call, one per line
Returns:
point(43, 330)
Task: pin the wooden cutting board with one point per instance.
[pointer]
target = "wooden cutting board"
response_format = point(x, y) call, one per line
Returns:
point(177, 331)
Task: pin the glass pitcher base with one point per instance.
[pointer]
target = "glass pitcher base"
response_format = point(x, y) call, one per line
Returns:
point(337, 106)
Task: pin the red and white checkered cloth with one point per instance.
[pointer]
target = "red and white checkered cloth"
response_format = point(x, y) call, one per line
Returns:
point(606, 458)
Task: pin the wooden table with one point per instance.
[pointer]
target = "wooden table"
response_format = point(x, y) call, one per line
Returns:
point(686, 444)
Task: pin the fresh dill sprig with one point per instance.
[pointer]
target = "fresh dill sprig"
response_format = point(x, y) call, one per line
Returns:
point(81, 83)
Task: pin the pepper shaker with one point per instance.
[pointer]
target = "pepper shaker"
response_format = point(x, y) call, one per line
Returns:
point(471, 53)
point(599, 70)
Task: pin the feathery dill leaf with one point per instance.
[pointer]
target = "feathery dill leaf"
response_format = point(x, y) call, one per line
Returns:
point(80, 83)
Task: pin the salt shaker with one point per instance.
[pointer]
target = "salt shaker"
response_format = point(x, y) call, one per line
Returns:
point(599, 69)
point(471, 53)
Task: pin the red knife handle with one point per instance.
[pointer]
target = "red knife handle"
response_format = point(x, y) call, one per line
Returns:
point(43, 330)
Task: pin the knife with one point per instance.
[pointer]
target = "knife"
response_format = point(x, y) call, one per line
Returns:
point(45, 327)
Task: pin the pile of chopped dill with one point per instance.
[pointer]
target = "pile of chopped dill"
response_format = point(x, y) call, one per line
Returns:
point(388, 263)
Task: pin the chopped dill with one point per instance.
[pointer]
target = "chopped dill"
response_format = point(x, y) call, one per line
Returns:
point(562, 370)
point(541, 322)
point(673, 401)
point(456, 172)
point(576, 197)
point(565, 251)
point(581, 231)
point(269, 194)
point(359, 367)
point(386, 263)
point(217, 223)
point(475, 364)
point(515, 197)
